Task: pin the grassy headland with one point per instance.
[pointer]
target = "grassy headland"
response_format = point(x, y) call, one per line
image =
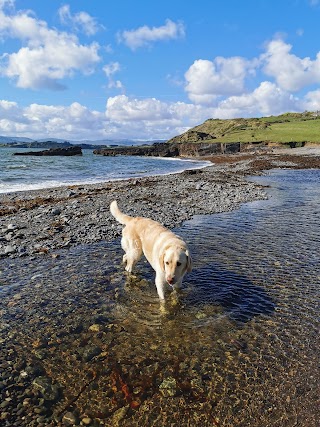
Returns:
point(284, 129)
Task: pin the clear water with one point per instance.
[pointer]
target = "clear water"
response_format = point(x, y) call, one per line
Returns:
point(18, 173)
point(239, 346)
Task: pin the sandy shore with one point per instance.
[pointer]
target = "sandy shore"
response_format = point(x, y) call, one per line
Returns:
point(39, 222)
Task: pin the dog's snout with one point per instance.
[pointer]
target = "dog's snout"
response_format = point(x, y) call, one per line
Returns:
point(170, 280)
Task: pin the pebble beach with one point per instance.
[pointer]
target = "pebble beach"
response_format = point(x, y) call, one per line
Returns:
point(45, 220)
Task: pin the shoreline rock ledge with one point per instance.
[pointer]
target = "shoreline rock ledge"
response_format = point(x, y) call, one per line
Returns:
point(192, 149)
point(68, 151)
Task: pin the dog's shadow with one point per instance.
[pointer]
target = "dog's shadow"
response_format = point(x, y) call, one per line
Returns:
point(236, 294)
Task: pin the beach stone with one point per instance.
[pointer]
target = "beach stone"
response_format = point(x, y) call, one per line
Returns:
point(70, 419)
point(56, 211)
point(119, 415)
point(10, 249)
point(4, 404)
point(168, 387)
point(48, 390)
point(94, 328)
point(12, 227)
point(90, 352)
point(86, 421)
point(9, 236)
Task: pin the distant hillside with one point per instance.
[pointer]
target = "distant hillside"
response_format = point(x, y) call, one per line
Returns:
point(20, 142)
point(11, 139)
point(48, 145)
point(287, 128)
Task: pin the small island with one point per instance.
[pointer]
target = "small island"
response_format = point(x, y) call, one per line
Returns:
point(68, 151)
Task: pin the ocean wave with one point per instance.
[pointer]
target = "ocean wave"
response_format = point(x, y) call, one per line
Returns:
point(87, 170)
point(23, 166)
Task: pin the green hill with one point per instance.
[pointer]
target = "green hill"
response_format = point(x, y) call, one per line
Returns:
point(284, 129)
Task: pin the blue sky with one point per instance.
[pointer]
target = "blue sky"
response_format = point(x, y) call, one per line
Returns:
point(151, 70)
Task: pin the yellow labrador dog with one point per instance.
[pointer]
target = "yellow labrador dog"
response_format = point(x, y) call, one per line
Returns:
point(166, 252)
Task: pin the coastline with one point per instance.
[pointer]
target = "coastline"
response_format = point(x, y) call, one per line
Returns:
point(42, 221)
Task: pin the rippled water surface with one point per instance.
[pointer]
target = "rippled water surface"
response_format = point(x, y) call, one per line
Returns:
point(19, 173)
point(238, 347)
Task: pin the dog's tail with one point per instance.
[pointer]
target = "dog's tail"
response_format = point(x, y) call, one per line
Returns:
point(119, 216)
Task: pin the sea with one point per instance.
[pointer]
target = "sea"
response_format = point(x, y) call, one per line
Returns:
point(21, 173)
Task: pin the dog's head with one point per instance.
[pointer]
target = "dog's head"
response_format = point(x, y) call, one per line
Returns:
point(175, 261)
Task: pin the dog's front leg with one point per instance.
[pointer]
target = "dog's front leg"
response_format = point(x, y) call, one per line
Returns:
point(177, 286)
point(160, 284)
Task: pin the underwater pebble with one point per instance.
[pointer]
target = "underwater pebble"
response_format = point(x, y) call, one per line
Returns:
point(168, 387)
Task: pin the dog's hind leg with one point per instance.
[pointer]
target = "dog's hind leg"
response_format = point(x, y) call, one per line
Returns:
point(133, 252)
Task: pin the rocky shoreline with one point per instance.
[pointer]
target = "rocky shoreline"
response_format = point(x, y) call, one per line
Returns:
point(71, 354)
point(41, 221)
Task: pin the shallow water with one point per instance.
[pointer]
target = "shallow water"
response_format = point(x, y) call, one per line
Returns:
point(238, 347)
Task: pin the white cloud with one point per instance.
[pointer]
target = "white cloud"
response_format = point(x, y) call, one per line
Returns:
point(148, 118)
point(289, 71)
point(124, 118)
point(6, 3)
point(48, 55)
point(223, 80)
point(206, 80)
point(312, 101)
point(121, 108)
point(80, 21)
point(265, 100)
point(41, 121)
point(144, 36)
point(151, 118)
point(110, 69)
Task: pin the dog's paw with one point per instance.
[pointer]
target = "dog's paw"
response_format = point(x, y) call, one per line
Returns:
point(163, 308)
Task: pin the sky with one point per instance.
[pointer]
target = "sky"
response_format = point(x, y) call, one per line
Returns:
point(145, 70)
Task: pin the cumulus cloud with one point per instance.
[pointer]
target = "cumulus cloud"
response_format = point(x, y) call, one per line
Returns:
point(206, 80)
point(40, 121)
point(110, 69)
point(267, 99)
point(80, 21)
point(289, 71)
point(145, 36)
point(124, 117)
point(151, 118)
point(311, 101)
point(147, 118)
point(48, 55)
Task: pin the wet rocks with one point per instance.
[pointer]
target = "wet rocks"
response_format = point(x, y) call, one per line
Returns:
point(70, 419)
point(168, 387)
point(90, 352)
point(48, 390)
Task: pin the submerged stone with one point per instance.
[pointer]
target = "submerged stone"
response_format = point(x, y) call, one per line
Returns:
point(168, 387)
point(48, 390)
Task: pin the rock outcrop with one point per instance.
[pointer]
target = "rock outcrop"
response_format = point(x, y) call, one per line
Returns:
point(155, 150)
point(69, 151)
point(187, 149)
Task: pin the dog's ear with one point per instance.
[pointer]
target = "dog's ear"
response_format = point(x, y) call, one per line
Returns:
point(189, 261)
point(161, 260)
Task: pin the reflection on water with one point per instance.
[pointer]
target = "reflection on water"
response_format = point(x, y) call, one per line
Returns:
point(238, 347)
